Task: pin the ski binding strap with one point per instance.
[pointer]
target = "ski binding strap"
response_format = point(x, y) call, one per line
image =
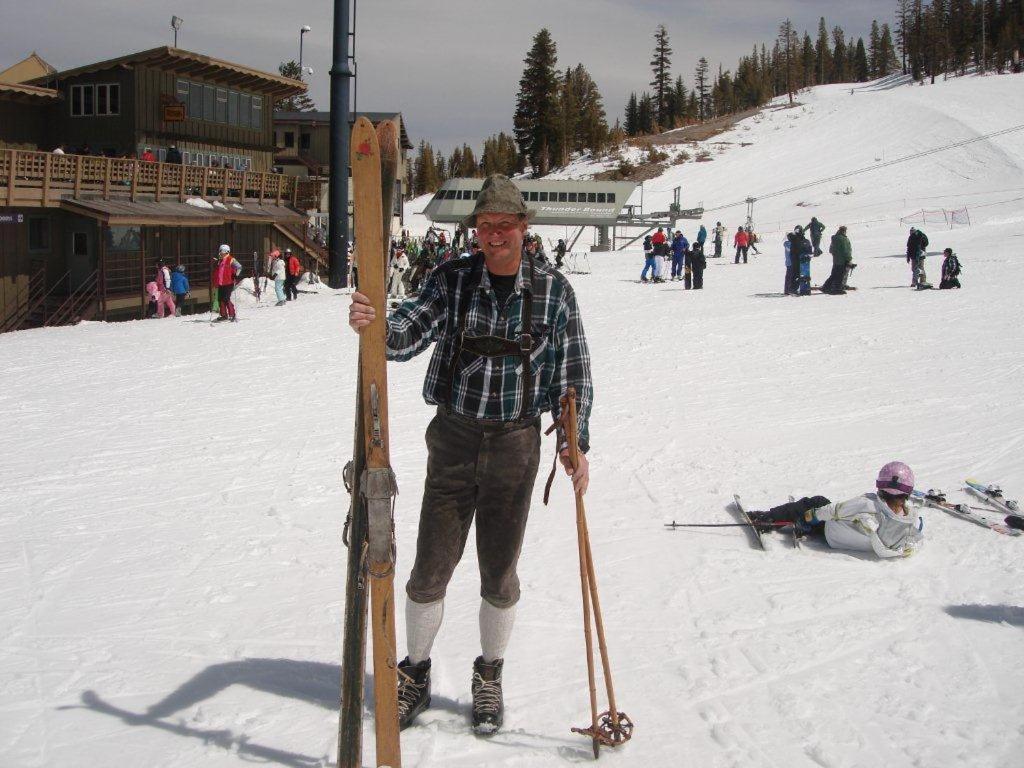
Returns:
point(378, 488)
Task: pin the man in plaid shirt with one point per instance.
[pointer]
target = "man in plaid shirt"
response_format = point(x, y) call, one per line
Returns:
point(491, 376)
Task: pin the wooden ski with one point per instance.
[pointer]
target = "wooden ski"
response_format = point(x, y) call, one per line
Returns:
point(377, 484)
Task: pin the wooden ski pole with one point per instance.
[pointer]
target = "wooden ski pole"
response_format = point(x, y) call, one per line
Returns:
point(611, 728)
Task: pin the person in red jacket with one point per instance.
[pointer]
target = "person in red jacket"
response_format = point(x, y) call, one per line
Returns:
point(294, 268)
point(225, 273)
point(742, 243)
point(658, 240)
point(148, 156)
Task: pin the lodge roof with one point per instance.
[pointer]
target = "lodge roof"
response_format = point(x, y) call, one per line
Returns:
point(185, 62)
point(176, 214)
point(31, 66)
point(324, 118)
point(27, 94)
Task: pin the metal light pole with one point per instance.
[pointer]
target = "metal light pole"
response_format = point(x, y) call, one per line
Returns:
point(302, 31)
point(176, 22)
point(341, 76)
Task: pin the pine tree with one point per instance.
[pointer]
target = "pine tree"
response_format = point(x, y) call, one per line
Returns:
point(661, 67)
point(861, 68)
point(807, 63)
point(874, 50)
point(300, 103)
point(632, 126)
point(904, 22)
point(823, 54)
point(788, 43)
point(426, 179)
point(679, 103)
point(840, 56)
point(592, 126)
point(888, 62)
point(440, 169)
point(702, 89)
point(536, 116)
point(645, 115)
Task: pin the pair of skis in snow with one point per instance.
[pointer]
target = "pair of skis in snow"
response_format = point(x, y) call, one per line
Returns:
point(992, 495)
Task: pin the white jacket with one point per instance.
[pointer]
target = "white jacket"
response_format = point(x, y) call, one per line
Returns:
point(277, 269)
point(866, 524)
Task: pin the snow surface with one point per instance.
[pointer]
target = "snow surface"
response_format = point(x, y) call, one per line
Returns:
point(171, 500)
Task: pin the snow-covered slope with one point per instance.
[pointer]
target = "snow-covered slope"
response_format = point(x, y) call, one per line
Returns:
point(171, 500)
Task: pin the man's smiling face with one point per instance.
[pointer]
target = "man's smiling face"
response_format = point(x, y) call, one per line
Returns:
point(501, 238)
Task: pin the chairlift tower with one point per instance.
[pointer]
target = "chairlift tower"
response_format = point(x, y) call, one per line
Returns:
point(750, 211)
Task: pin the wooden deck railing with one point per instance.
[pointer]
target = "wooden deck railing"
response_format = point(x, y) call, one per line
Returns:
point(43, 179)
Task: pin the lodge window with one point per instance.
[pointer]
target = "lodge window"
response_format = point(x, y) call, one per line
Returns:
point(563, 197)
point(601, 197)
point(289, 139)
point(543, 197)
point(304, 141)
point(244, 110)
point(533, 197)
point(195, 101)
point(257, 113)
point(222, 105)
point(233, 107)
point(611, 197)
point(591, 197)
point(209, 103)
point(80, 243)
point(39, 234)
point(573, 197)
point(103, 100)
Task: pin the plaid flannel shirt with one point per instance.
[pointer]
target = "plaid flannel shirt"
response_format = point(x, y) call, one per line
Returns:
point(490, 388)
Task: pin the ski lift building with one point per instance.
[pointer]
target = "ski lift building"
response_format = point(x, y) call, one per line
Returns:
point(559, 203)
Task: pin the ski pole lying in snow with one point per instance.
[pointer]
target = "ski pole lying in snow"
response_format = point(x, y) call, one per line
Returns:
point(674, 524)
point(612, 727)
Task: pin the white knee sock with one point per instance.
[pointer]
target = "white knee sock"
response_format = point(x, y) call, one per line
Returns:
point(422, 621)
point(495, 630)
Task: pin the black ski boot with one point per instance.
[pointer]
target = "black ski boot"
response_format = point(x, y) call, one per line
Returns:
point(488, 705)
point(413, 690)
point(763, 521)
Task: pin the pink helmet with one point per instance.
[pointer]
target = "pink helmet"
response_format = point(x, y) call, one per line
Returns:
point(895, 477)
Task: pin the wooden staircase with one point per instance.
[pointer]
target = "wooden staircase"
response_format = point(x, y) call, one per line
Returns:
point(295, 233)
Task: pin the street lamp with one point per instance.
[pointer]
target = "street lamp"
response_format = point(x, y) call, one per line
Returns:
point(302, 31)
point(176, 22)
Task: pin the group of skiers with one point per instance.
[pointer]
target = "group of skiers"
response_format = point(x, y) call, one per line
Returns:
point(917, 250)
point(688, 260)
point(167, 291)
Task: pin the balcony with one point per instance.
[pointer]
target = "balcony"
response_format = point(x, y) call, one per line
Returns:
point(43, 180)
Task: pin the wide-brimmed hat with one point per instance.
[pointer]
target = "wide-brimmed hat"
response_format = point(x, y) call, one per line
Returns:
point(499, 195)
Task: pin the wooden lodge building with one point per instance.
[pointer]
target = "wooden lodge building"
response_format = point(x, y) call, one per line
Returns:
point(81, 232)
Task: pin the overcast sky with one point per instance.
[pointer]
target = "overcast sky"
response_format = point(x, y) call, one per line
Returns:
point(452, 67)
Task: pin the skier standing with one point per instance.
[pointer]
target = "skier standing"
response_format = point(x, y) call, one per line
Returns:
point(278, 273)
point(180, 288)
point(225, 274)
point(702, 236)
point(950, 270)
point(679, 246)
point(842, 257)
point(294, 269)
point(719, 238)
point(752, 239)
point(917, 244)
point(877, 522)
point(742, 242)
point(660, 242)
point(696, 263)
point(491, 378)
point(399, 266)
point(649, 260)
point(815, 227)
point(559, 253)
point(799, 251)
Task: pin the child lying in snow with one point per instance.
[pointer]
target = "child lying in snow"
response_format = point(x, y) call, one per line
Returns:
point(874, 522)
